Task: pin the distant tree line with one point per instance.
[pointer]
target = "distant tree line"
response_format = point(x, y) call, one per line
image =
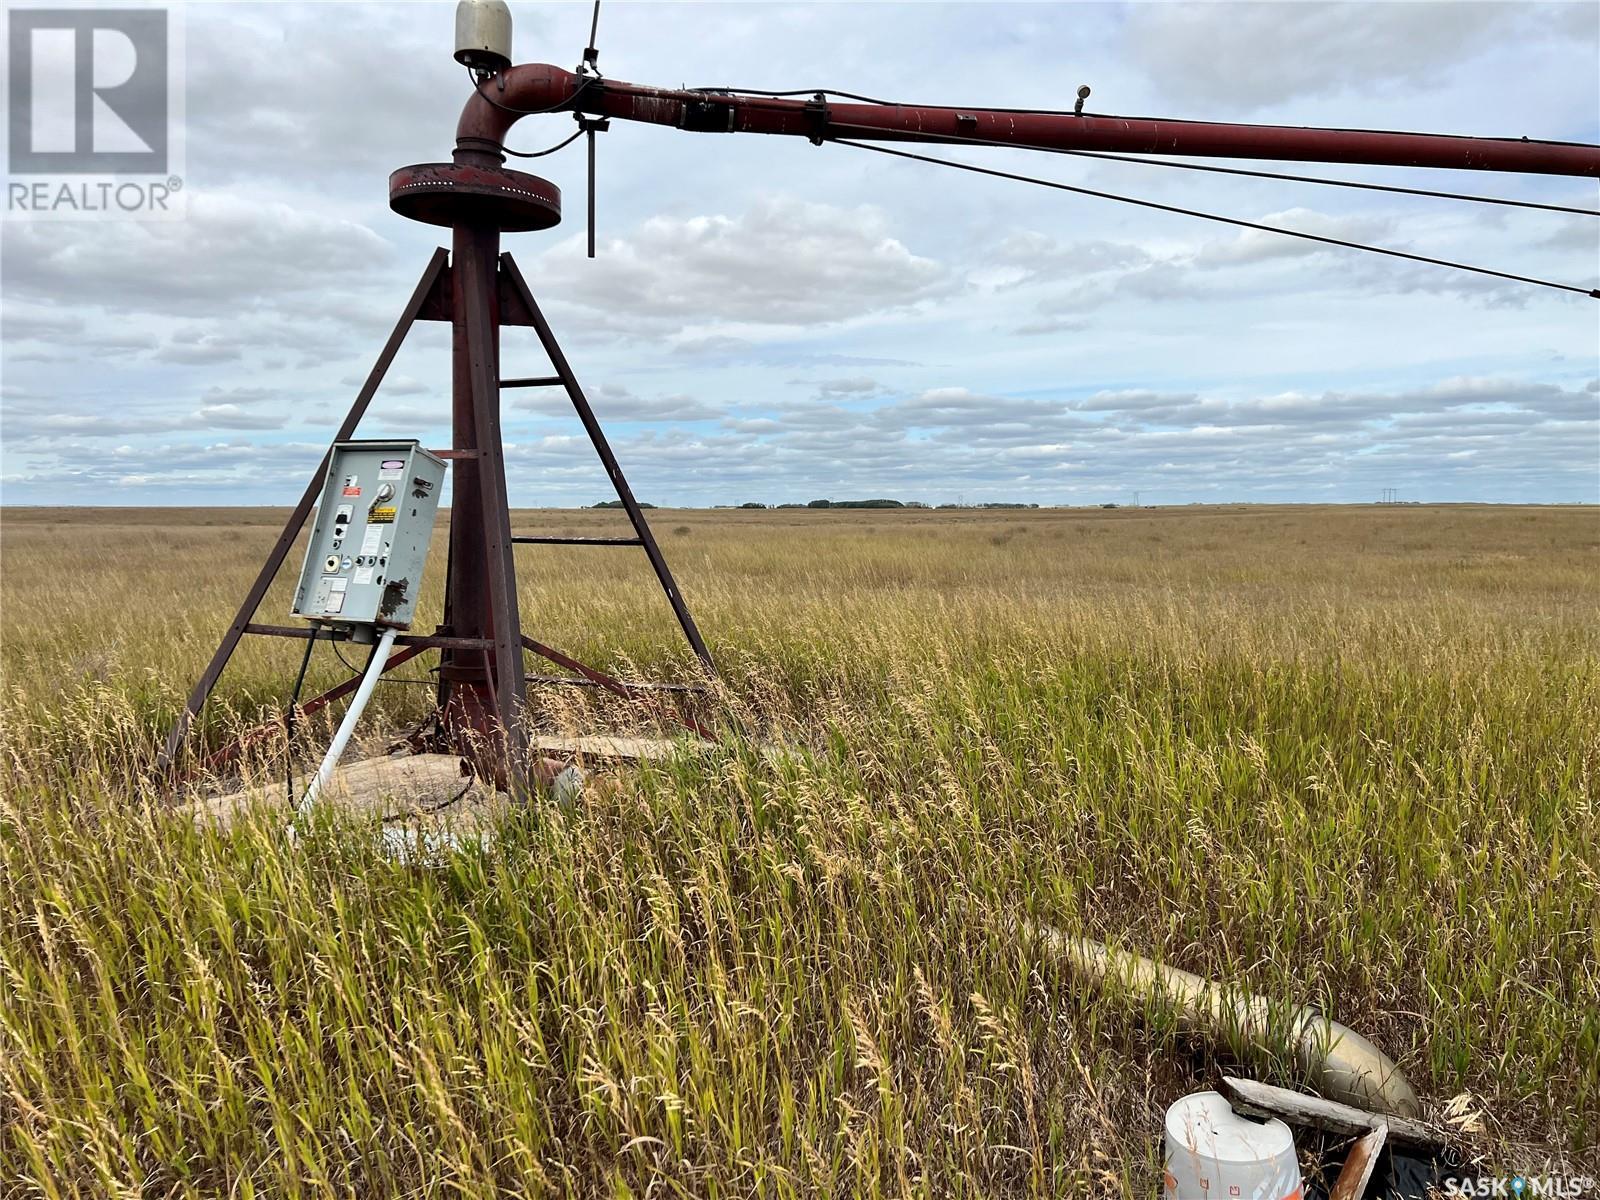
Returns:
point(994, 504)
point(855, 504)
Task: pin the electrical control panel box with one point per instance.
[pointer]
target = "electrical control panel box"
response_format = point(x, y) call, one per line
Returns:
point(369, 542)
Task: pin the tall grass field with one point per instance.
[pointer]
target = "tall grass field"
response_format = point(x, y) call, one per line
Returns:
point(1343, 756)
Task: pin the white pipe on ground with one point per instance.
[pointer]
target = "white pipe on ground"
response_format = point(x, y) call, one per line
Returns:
point(1343, 1065)
point(341, 739)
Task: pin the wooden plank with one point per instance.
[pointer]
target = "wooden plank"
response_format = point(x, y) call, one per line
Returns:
point(1297, 1108)
point(1359, 1165)
point(623, 748)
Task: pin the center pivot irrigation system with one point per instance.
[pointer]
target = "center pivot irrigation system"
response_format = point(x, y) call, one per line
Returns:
point(482, 679)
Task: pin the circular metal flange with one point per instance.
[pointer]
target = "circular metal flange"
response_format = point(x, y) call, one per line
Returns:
point(452, 194)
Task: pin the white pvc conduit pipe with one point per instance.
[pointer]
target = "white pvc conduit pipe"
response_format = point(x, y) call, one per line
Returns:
point(341, 739)
point(1343, 1065)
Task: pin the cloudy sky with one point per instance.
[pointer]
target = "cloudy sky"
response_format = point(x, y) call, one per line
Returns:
point(768, 320)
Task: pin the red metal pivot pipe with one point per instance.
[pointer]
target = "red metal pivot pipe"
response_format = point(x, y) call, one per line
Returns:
point(483, 712)
point(525, 90)
point(469, 712)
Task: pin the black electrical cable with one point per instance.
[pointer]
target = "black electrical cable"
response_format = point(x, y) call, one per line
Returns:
point(357, 672)
point(444, 804)
point(530, 112)
point(288, 717)
point(562, 145)
point(732, 91)
point(1213, 169)
point(1206, 216)
point(343, 661)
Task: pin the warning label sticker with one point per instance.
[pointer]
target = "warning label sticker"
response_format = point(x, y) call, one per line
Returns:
point(381, 516)
point(352, 485)
point(391, 468)
point(371, 541)
point(363, 576)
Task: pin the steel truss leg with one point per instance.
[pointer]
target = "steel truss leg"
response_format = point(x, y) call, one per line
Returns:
point(474, 267)
point(597, 436)
point(291, 530)
point(338, 692)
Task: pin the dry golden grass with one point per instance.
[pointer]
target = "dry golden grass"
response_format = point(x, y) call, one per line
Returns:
point(1342, 755)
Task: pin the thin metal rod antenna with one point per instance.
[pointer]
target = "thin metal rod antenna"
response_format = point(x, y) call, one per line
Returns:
point(590, 129)
point(591, 52)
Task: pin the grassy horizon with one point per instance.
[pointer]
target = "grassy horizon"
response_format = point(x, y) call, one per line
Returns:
point(1346, 755)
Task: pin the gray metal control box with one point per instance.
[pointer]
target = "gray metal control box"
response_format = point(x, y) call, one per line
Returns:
point(369, 543)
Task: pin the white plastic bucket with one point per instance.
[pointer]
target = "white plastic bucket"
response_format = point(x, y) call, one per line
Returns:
point(1213, 1153)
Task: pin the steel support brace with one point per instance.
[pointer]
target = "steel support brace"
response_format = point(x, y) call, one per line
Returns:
point(602, 447)
point(482, 682)
point(230, 752)
point(297, 518)
point(590, 675)
point(423, 641)
point(593, 678)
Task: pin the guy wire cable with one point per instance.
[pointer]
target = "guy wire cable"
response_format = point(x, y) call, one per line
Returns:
point(1593, 293)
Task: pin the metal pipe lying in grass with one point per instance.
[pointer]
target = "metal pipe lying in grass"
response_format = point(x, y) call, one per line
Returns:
point(1339, 1062)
